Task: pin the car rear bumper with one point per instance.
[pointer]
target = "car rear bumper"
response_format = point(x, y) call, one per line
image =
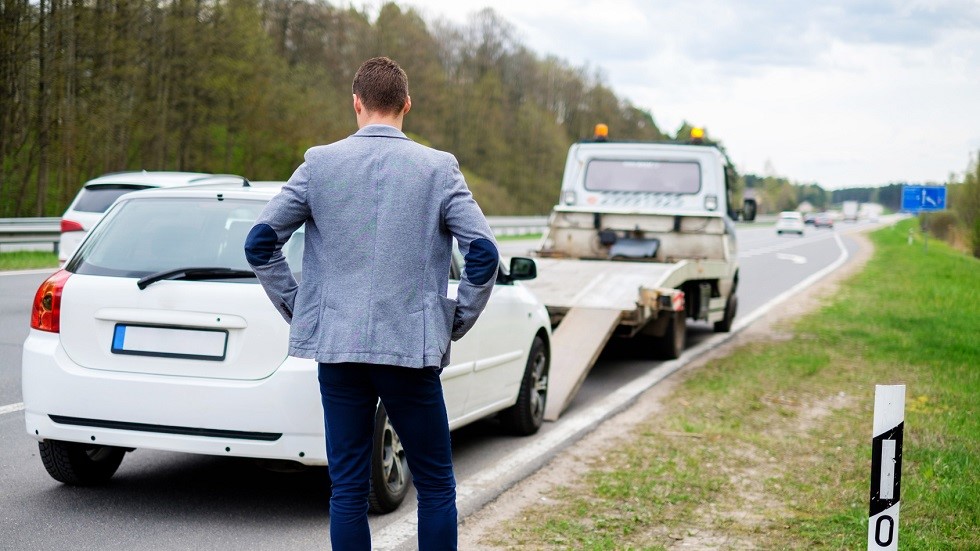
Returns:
point(278, 417)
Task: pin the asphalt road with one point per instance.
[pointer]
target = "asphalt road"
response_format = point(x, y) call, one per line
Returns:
point(161, 500)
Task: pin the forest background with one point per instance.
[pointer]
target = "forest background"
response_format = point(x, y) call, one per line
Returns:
point(246, 86)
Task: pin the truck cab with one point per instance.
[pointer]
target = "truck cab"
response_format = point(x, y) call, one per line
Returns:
point(642, 202)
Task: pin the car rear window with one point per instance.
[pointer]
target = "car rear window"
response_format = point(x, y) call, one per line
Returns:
point(145, 236)
point(98, 198)
point(644, 176)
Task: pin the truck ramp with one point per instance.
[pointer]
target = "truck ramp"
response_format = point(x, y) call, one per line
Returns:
point(600, 284)
point(576, 345)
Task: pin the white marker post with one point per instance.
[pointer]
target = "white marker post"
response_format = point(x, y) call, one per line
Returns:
point(886, 467)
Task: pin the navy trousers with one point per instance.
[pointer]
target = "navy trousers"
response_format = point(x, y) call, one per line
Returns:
point(417, 410)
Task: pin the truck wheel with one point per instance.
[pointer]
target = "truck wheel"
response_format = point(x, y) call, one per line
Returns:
point(80, 464)
point(671, 345)
point(389, 466)
point(731, 307)
point(525, 417)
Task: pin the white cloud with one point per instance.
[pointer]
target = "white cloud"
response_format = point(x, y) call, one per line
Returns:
point(844, 93)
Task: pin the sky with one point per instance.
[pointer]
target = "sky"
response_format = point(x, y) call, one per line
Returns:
point(840, 93)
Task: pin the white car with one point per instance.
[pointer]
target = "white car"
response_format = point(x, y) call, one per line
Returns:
point(96, 195)
point(157, 335)
point(789, 222)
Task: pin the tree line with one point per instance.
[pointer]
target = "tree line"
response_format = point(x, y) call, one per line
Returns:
point(245, 86)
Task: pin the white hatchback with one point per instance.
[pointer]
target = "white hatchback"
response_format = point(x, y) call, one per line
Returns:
point(789, 222)
point(157, 335)
point(97, 194)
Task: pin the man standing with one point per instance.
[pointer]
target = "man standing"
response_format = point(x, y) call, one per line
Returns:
point(380, 213)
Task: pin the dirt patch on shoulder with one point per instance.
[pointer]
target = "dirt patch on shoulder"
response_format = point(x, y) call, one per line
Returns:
point(566, 468)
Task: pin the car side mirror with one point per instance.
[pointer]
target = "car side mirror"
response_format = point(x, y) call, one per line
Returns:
point(522, 268)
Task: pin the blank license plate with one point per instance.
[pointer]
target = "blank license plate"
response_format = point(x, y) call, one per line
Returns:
point(169, 342)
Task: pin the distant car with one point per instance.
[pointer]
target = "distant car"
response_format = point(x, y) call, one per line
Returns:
point(808, 219)
point(823, 220)
point(157, 335)
point(96, 195)
point(789, 222)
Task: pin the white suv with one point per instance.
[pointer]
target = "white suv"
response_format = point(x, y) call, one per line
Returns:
point(157, 335)
point(96, 195)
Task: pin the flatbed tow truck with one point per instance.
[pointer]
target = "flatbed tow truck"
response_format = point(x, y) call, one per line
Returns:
point(641, 240)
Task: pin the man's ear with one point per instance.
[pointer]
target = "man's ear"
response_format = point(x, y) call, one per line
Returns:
point(358, 106)
point(408, 105)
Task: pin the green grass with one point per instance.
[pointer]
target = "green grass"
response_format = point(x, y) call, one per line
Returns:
point(519, 237)
point(27, 260)
point(770, 446)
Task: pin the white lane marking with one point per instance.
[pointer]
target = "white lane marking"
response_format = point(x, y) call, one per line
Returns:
point(28, 272)
point(794, 258)
point(479, 489)
point(786, 245)
point(11, 408)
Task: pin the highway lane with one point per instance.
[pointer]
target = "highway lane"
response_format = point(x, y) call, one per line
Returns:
point(161, 500)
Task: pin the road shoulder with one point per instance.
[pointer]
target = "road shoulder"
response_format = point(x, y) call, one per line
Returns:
point(568, 465)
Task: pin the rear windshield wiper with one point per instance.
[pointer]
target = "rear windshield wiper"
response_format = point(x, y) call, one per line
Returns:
point(194, 274)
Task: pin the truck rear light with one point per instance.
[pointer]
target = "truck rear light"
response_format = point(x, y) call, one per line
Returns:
point(46, 313)
point(568, 197)
point(711, 202)
point(70, 225)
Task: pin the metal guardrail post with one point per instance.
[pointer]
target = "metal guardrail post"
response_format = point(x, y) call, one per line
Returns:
point(18, 231)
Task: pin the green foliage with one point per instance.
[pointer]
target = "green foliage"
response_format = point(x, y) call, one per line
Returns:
point(964, 200)
point(245, 87)
point(776, 194)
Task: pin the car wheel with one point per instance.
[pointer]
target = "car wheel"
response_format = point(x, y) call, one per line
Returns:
point(525, 416)
point(671, 345)
point(80, 464)
point(731, 308)
point(389, 466)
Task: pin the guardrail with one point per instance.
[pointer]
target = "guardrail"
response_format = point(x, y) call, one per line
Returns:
point(30, 231)
point(25, 231)
point(517, 225)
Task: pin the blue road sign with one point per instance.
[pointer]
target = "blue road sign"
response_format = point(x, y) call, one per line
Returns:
point(923, 198)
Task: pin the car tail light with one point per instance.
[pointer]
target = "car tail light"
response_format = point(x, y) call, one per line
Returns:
point(46, 314)
point(70, 225)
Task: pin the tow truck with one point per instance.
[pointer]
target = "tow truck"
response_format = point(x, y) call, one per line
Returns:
point(642, 240)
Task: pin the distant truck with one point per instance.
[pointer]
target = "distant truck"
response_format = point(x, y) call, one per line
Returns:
point(850, 211)
point(641, 241)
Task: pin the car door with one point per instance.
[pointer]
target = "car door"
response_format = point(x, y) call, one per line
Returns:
point(505, 335)
point(457, 376)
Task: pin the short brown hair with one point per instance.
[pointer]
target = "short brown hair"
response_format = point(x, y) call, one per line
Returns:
point(381, 85)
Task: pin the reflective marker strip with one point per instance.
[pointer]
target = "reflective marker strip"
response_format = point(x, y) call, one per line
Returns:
point(11, 408)
point(887, 484)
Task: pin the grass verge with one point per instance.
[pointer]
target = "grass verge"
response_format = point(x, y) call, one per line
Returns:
point(27, 260)
point(527, 236)
point(769, 447)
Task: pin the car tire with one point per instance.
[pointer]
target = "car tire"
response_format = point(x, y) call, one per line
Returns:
point(526, 415)
point(731, 308)
point(78, 464)
point(670, 346)
point(390, 478)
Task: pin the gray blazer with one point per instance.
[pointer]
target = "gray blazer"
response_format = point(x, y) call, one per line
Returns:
point(380, 213)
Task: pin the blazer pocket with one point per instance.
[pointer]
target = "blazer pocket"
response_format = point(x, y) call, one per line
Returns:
point(439, 314)
point(306, 314)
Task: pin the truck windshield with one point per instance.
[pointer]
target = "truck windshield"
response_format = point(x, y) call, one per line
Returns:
point(643, 176)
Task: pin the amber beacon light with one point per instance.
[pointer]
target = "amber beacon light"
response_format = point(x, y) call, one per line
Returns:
point(601, 132)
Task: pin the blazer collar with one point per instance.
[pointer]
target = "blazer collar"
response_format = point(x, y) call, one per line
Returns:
point(380, 131)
